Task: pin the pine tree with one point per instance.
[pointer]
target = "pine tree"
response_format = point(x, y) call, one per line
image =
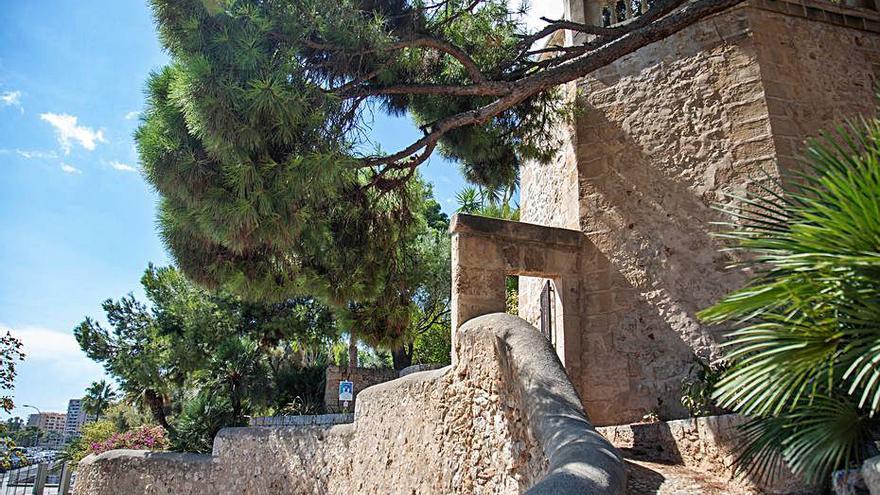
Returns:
point(256, 135)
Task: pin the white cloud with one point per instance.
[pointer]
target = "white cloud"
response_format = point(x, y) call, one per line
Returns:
point(122, 167)
point(54, 368)
point(11, 99)
point(132, 115)
point(69, 132)
point(70, 169)
point(42, 345)
point(32, 154)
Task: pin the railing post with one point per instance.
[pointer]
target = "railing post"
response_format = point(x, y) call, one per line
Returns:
point(40, 480)
point(64, 482)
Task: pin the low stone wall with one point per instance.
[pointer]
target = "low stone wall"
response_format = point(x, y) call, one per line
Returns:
point(419, 367)
point(706, 444)
point(362, 378)
point(136, 471)
point(503, 419)
point(303, 420)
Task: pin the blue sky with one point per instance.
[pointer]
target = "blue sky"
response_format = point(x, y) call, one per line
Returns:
point(77, 219)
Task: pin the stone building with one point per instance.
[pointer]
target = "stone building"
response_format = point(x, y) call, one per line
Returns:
point(660, 136)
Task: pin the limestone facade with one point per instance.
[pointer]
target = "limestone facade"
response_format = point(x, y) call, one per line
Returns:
point(659, 137)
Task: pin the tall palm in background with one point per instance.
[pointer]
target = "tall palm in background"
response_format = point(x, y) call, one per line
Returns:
point(805, 359)
point(494, 203)
point(98, 397)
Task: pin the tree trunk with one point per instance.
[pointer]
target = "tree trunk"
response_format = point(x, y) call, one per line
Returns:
point(402, 357)
point(157, 409)
point(235, 399)
point(352, 353)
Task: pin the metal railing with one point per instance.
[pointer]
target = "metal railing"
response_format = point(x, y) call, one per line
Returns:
point(45, 478)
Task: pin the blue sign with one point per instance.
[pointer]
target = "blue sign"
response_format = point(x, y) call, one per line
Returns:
point(346, 391)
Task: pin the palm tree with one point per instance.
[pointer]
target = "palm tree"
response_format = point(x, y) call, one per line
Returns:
point(804, 358)
point(98, 397)
point(487, 202)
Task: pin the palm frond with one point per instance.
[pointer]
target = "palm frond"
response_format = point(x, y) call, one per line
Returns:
point(805, 360)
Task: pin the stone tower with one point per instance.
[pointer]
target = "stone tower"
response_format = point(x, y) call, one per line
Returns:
point(661, 136)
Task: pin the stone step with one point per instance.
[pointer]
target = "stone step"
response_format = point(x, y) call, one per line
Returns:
point(650, 478)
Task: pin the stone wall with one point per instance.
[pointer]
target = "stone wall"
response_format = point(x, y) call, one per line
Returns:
point(486, 250)
point(303, 420)
point(362, 378)
point(819, 66)
point(659, 137)
point(503, 419)
point(706, 444)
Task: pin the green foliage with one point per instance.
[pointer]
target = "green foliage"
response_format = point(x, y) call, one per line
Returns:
point(422, 287)
point(28, 436)
point(301, 390)
point(511, 295)
point(98, 397)
point(10, 355)
point(253, 162)
point(126, 417)
point(433, 346)
point(14, 424)
point(108, 434)
point(803, 358)
point(92, 433)
point(202, 417)
point(696, 391)
point(493, 203)
point(258, 152)
point(190, 341)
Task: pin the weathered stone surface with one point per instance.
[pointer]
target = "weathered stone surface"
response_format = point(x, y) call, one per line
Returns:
point(362, 378)
point(148, 473)
point(486, 250)
point(303, 420)
point(871, 475)
point(659, 137)
point(703, 445)
point(503, 419)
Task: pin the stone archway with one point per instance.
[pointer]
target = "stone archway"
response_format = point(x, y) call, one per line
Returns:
point(486, 250)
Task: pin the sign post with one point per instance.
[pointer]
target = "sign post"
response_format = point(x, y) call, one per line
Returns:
point(346, 392)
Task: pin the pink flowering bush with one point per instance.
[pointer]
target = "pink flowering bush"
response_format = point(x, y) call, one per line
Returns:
point(144, 438)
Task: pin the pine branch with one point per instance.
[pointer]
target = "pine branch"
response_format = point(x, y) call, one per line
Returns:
point(633, 36)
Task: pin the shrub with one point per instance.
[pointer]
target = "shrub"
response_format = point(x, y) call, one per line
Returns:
point(202, 417)
point(696, 391)
point(145, 437)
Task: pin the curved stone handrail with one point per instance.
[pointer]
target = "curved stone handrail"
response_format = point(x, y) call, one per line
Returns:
point(580, 460)
point(503, 419)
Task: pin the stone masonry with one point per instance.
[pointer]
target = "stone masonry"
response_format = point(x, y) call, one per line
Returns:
point(659, 137)
point(362, 378)
point(503, 419)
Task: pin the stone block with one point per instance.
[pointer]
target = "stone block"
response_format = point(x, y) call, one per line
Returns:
point(871, 475)
point(477, 251)
point(598, 303)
